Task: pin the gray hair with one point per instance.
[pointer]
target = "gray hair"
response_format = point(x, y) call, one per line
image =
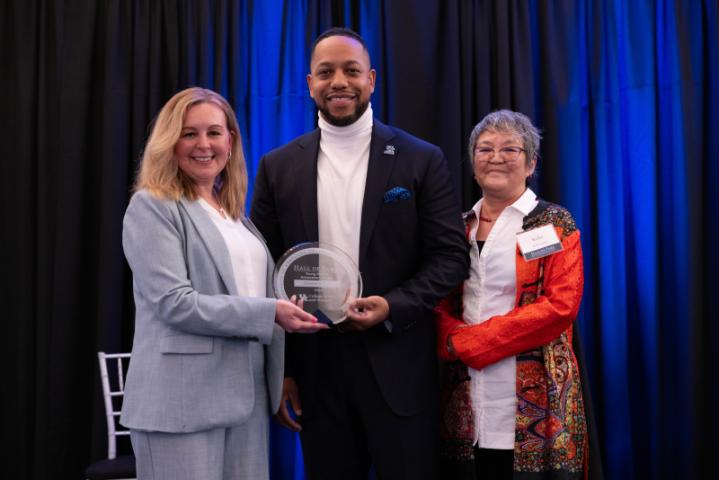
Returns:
point(514, 123)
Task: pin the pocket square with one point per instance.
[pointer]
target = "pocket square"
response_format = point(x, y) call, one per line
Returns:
point(396, 193)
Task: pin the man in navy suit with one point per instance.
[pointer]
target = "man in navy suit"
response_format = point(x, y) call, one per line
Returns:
point(364, 393)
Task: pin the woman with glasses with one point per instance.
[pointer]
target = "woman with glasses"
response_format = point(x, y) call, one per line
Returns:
point(512, 400)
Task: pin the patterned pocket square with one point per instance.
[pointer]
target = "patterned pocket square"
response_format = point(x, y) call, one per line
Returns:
point(396, 193)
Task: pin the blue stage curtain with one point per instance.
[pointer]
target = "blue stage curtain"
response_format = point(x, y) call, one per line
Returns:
point(274, 108)
point(626, 93)
point(630, 118)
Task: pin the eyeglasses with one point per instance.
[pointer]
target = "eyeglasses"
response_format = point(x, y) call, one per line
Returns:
point(509, 154)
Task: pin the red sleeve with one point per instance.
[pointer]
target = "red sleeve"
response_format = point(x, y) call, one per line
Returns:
point(446, 323)
point(533, 325)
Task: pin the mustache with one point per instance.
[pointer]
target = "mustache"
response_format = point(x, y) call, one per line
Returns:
point(341, 93)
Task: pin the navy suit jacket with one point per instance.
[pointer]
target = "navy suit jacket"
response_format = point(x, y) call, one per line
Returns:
point(412, 252)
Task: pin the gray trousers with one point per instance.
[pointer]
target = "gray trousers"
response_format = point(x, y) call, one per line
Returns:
point(233, 453)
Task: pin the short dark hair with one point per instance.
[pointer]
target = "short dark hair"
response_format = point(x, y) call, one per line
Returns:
point(338, 32)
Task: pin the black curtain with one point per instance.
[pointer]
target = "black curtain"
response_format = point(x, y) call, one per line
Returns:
point(442, 66)
point(83, 81)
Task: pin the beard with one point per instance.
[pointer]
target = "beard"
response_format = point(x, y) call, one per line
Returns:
point(346, 120)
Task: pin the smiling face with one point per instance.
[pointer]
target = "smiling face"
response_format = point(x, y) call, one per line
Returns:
point(497, 175)
point(204, 143)
point(341, 81)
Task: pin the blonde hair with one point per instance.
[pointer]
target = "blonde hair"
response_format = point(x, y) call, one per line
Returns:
point(159, 172)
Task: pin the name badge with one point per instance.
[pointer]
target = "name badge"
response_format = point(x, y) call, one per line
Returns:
point(539, 242)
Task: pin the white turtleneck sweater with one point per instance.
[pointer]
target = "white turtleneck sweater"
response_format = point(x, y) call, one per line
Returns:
point(341, 177)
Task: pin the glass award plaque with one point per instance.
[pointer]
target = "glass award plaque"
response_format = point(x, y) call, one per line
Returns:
point(322, 275)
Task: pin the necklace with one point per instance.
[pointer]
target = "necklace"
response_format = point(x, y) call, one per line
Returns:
point(222, 211)
point(219, 208)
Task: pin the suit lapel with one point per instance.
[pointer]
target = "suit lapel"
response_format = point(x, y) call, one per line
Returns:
point(305, 175)
point(214, 243)
point(382, 156)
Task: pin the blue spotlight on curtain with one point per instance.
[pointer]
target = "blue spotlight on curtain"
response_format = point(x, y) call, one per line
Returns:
point(274, 108)
point(632, 104)
point(627, 95)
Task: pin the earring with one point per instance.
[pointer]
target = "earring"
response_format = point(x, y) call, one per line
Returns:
point(229, 155)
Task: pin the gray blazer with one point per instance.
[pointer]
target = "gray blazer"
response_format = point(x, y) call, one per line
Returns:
point(195, 339)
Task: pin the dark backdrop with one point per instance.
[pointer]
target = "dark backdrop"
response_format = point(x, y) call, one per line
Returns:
point(627, 94)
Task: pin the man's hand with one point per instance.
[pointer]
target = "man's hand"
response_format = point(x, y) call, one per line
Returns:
point(364, 313)
point(290, 393)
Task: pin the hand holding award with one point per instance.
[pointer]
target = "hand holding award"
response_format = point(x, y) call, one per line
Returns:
point(324, 277)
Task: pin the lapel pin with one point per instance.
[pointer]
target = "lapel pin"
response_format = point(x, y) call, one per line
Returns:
point(389, 149)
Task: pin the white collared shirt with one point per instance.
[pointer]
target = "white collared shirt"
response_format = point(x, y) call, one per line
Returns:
point(491, 290)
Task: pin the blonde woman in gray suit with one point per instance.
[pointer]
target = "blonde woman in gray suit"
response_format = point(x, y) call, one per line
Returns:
point(207, 356)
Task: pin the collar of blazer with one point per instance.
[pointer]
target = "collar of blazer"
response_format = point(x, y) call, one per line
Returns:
point(381, 163)
point(213, 241)
point(216, 247)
